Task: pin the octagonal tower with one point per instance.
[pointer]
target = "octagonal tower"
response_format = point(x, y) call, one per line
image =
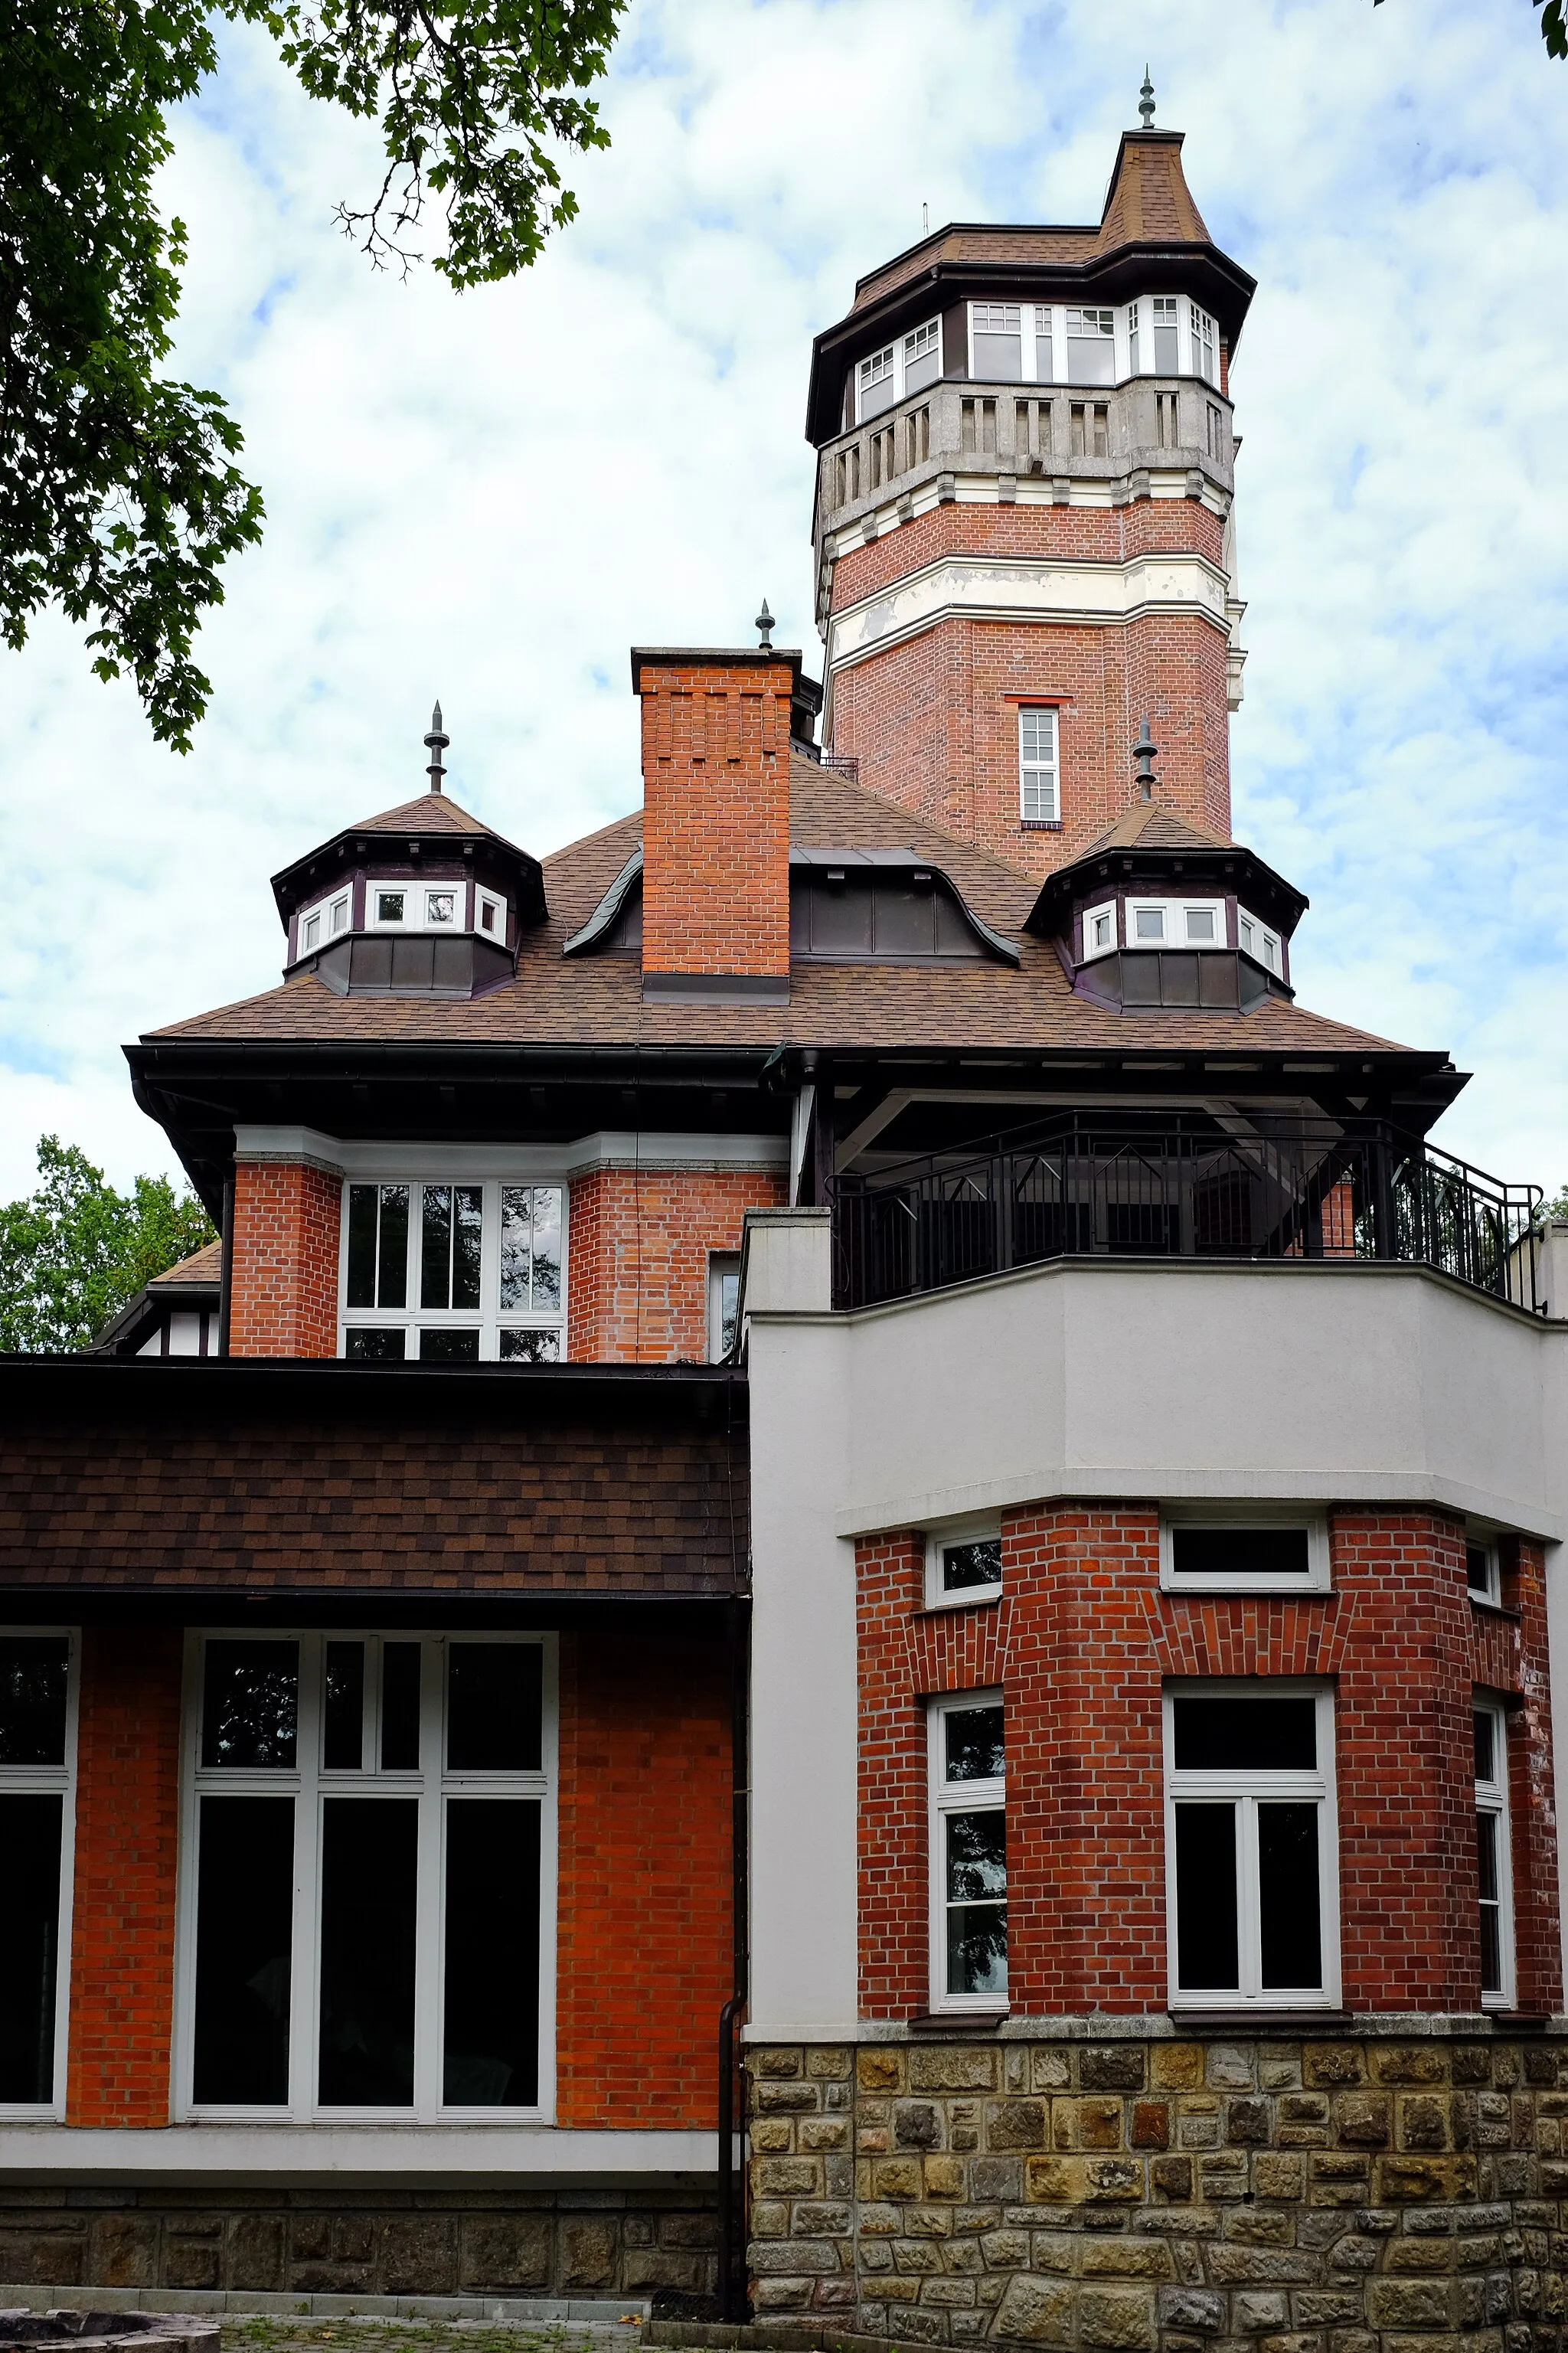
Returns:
point(1023, 519)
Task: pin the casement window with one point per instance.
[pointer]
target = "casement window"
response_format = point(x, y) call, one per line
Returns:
point(1481, 1571)
point(1134, 336)
point(366, 1912)
point(1494, 1869)
point(968, 1852)
point(996, 340)
point(964, 1565)
point(404, 906)
point(1091, 347)
point(1243, 1548)
point(1167, 351)
point(1255, 940)
point(724, 1301)
point(453, 1274)
point(887, 376)
point(1250, 1846)
point(1099, 931)
point(320, 926)
point(1040, 796)
point(37, 1762)
point(1176, 924)
point(1202, 333)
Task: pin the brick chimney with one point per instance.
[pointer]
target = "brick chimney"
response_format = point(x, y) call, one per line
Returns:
point(715, 765)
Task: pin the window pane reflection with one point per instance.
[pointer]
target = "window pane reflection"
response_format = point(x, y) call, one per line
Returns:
point(368, 1856)
point(491, 2008)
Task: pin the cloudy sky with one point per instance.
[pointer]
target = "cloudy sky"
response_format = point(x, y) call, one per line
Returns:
point(488, 497)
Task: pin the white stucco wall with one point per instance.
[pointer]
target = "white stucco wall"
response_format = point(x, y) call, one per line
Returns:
point(1087, 1377)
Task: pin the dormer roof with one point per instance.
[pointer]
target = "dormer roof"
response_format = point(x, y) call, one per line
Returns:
point(400, 837)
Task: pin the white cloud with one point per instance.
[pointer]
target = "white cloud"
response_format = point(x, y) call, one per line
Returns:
point(488, 497)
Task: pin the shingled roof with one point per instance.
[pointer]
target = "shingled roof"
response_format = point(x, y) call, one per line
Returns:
point(597, 1000)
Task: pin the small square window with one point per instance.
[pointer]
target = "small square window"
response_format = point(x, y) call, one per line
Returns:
point(311, 934)
point(1099, 930)
point(390, 906)
point(964, 1565)
point(1148, 923)
point(490, 912)
point(441, 907)
point(339, 919)
point(1201, 928)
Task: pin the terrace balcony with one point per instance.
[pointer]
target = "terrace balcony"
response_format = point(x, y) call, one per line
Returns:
point(1185, 1186)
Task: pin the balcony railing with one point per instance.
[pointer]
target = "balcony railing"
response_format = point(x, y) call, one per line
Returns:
point(1185, 1188)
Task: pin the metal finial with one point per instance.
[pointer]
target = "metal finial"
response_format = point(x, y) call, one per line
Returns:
point(1146, 101)
point(1143, 751)
point(435, 744)
point(764, 622)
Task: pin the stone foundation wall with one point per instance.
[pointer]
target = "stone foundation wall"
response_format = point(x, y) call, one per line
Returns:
point(343, 2242)
point(1353, 2195)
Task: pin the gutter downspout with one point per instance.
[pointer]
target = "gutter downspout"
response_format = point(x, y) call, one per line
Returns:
point(731, 2283)
point(225, 1276)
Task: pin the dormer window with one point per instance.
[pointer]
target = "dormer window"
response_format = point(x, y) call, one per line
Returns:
point(922, 356)
point(1175, 922)
point(440, 907)
point(320, 926)
point(389, 906)
point(489, 915)
point(884, 378)
point(1099, 930)
point(421, 907)
point(1255, 940)
point(877, 385)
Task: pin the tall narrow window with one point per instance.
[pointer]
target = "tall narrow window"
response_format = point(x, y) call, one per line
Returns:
point(1133, 338)
point(1250, 1861)
point(1167, 351)
point(34, 1777)
point(365, 1926)
point(1215, 424)
point(922, 356)
point(1203, 332)
point(998, 342)
point(1493, 1865)
point(724, 1301)
point(1165, 418)
point(877, 384)
point(969, 1854)
point(1091, 347)
point(1039, 801)
point(1045, 370)
point(378, 1246)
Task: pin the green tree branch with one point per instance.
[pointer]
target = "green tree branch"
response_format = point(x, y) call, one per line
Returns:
point(72, 1253)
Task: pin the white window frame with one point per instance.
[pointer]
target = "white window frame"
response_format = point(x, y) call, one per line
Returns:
point(1316, 1579)
point(1203, 343)
point(1037, 769)
point(983, 1530)
point(1175, 912)
point(52, 1780)
point(490, 1318)
point(1174, 316)
point(721, 1264)
point(870, 371)
point(322, 912)
point(311, 1784)
point(1090, 915)
point(956, 1797)
point(1489, 1595)
point(1265, 946)
point(417, 889)
point(484, 898)
point(1247, 1789)
point(1491, 1798)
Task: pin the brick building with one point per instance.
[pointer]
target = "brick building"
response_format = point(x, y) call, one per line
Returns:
point(829, 1408)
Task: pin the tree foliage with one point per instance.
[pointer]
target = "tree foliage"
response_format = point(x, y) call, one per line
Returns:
point(72, 1253)
point(120, 499)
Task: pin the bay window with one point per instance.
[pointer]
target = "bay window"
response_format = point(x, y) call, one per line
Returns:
point(366, 1916)
point(968, 1854)
point(37, 1744)
point(453, 1272)
point(1251, 1861)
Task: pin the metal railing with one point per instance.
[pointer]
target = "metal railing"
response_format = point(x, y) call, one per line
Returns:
point(1188, 1189)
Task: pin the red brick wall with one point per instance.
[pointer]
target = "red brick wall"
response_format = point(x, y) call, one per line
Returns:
point(1081, 1644)
point(715, 759)
point(284, 1282)
point(122, 1919)
point(931, 721)
point(637, 1281)
point(645, 1946)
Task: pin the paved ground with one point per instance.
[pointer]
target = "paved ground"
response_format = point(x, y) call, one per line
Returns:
point(276, 2335)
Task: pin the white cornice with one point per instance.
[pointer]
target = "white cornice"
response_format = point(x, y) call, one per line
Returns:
point(390, 1161)
point(1027, 588)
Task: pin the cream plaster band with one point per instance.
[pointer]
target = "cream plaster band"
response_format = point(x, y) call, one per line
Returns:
point(396, 1162)
point(985, 589)
point(1146, 2026)
point(392, 2150)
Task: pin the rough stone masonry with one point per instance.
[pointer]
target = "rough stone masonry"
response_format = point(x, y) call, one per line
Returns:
point(1354, 2195)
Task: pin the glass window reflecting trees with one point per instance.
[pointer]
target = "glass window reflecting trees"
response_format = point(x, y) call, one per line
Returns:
point(1251, 1863)
point(37, 1743)
point(454, 1272)
point(968, 1854)
point(367, 1919)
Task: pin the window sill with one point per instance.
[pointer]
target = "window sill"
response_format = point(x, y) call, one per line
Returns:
point(985, 1597)
point(1039, 824)
point(1263, 2020)
point(1496, 1609)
